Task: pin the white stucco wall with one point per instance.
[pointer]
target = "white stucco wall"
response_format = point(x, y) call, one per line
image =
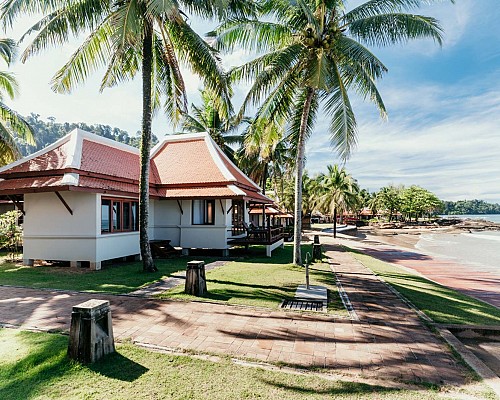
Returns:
point(167, 220)
point(52, 233)
point(171, 224)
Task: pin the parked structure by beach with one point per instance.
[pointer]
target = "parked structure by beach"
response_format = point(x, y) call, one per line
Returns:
point(80, 197)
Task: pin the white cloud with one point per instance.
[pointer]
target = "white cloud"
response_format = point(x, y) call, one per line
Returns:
point(453, 153)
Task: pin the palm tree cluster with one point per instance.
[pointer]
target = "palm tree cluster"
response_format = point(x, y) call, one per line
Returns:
point(12, 126)
point(312, 54)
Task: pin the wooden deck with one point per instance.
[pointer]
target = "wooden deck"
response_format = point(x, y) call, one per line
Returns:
point(272, 238)
point(265, 236)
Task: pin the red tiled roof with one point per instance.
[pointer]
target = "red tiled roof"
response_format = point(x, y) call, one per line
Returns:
point(269, 210)
point(198, 192)
point(24, 185)
point(106, 160)
point(51, 160)
point(189, 161)
point(192, 166)
point(107, 185)
point(240, 177)
point(256, 196)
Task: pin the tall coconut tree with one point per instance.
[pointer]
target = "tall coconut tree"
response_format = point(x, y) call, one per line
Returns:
point(12, 125)
point(125, 37)
point(339, 193)
point(315, 55)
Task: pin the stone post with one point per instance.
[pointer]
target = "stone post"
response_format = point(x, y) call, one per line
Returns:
point(317, 251)
point(196, 283)
point(91, 331)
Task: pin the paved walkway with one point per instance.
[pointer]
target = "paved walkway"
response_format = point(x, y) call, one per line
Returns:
point(388, 342)
point(482, 285)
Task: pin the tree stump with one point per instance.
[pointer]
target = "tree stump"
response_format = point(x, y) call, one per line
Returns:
point(196, 283)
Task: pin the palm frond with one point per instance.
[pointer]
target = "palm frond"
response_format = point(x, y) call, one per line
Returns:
point(16, 124)
point(387, 29)
point(359, 69)
point(8, 49)
point(343, 127)
point(91, 55)
point(203, 60)
point(8, 84)
point(251, 34)
point(9, 151)
point(278, 104)
point(295, 125)
point(56, 27)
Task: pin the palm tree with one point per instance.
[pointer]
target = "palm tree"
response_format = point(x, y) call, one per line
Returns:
point(126, 37)
point(12, 125)
point(313, 54)
point(340, 192)
point(223, 130)
point(265, 154)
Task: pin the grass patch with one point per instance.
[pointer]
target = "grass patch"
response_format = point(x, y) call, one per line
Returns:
point(262, 281)
point(441, 304)
point(116, 278)
point(35, 366)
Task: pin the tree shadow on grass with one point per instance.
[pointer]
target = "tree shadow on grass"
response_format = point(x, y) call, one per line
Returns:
point(45, 362)
point(442, 304)
point(259, 295)
point(117, 366)
point(328, 388)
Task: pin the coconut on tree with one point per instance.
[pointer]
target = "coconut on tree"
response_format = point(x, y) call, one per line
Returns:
point(314, 56)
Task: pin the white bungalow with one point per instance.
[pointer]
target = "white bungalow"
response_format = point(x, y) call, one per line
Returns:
point(80, 197)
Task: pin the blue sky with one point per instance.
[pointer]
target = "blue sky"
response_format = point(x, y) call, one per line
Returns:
point(443, 131)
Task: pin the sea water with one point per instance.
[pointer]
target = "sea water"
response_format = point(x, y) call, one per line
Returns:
point(480, 250)
point(486, 217)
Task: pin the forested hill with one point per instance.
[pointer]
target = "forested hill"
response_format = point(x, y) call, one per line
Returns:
point(470, 207)
point(48, 132)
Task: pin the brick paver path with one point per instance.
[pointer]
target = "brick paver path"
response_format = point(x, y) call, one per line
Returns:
point(483, 285)
point(388, 342)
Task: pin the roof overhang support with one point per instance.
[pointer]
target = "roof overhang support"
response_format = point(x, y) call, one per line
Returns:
point(221, 206)
point(64, 202)
point(230, 208)
point(180, 207)
point(18, 205)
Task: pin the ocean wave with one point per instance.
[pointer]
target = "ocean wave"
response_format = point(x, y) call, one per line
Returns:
point(482, 236)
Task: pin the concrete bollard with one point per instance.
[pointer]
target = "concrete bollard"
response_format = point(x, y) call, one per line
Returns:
point(196, 283)
point(317, 252)
point(91, 331)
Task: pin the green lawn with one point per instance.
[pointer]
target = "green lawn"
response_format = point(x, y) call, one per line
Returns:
point(35, 366)
point(263, 281)
point(441, 304)
point(119, 278)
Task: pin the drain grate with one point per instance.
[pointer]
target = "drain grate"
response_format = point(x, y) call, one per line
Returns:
point(304, 305)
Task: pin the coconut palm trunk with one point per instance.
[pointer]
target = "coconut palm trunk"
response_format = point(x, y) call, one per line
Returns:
point(147, 258)
point(334, 222)
point(297, 255)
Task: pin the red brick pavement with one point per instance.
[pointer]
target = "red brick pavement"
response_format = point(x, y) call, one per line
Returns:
point(388, 342)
